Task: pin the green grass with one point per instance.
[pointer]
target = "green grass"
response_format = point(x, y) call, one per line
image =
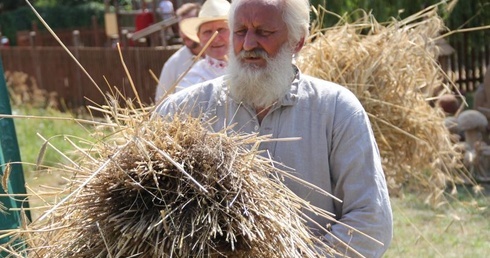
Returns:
point(56, 127)
point(460, 228)
point(30, 130)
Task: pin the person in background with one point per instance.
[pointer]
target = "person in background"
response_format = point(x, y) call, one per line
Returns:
point(166, 9)
point(212, 18)
point(263, 92)
point(182, 58)
point(142, 21)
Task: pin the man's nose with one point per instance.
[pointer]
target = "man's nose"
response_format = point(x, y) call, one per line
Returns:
point(250, 41)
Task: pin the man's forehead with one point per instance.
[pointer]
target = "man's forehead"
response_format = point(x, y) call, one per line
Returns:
point(248, 5)
point(262, 2)
point(257, 12)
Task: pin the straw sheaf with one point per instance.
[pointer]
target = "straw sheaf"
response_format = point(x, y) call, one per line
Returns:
point(149, 187)
point(155, 188)
point(393, 70)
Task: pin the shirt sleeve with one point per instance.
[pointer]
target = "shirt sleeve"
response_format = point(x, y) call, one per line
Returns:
point(167, 78)
point(191, 78)
point(358, 180)
point(194, 101)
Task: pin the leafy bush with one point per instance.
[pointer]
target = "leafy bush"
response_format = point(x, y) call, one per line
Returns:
point(58, 17)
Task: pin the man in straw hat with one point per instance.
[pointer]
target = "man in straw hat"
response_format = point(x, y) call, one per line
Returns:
point(264, 93)
point(178, 63)
point(212, 18)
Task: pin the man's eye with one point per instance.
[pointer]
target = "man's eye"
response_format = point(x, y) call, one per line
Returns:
point(264, 32)
point(240, 32)
point(222, 30)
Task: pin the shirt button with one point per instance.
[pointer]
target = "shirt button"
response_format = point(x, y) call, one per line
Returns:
point(256, 128)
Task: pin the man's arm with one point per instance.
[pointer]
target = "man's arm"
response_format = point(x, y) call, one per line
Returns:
point(359, 181)
point(165, 81)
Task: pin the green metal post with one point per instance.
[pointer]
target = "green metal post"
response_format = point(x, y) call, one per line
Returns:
point(9, 152)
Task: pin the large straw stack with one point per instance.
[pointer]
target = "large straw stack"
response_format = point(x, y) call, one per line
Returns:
point(392, 68)
point(154, 188)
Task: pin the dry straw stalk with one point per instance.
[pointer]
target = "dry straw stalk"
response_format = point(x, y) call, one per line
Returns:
point(392, 68)
point(154, 188)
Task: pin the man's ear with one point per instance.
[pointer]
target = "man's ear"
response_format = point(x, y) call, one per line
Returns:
point(299, 45)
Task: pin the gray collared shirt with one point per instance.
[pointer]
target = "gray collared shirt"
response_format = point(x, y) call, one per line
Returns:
point(336, 150)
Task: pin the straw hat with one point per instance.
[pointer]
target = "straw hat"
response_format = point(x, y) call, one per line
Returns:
point(212, 10)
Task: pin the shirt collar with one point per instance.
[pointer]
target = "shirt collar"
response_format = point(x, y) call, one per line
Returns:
point(219, 64)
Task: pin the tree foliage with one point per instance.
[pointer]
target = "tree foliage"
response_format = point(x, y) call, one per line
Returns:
point(65, 2)
point(457, 15)
point(8, 5)
point(23, 18)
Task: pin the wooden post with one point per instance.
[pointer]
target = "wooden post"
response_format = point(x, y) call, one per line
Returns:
point(95, 31)
point(154, 8)
point(76, 39)
point(78, 76)
point(118, 19)
point(39, 41)
point(124, 38)
point(35, 57)
point(487, 55)
point(163, 36)
point(32, 39)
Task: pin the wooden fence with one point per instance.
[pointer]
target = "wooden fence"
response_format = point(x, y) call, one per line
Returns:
point(95, 36)
point(55, 71)
point(467, 66)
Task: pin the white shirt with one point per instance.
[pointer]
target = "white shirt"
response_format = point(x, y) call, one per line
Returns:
point(336, 151)
point(176, 65)
point(166, 9)
point(204, 70)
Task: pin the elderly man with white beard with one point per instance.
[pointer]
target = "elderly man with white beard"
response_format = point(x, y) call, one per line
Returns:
point(264, 93)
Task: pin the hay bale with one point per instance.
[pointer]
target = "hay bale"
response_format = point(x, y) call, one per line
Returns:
point(153, 188)
point(23, 90)
point(392, 68)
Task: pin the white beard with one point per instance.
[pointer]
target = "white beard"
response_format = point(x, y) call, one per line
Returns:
point(257, 86)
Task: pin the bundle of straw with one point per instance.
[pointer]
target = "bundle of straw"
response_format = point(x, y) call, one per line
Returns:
point(392, 68)
point(155, 188)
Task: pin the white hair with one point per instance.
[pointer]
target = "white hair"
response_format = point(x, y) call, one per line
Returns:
point(260, 87)
point(296, 15)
